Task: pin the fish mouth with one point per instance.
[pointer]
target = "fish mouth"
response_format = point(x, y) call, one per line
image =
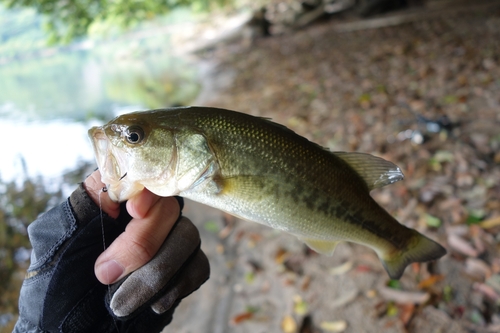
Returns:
point(112, 166)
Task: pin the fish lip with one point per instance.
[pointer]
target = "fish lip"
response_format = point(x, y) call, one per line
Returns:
point(109, 167)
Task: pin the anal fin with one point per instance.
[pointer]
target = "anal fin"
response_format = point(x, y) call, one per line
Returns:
point(321, 246)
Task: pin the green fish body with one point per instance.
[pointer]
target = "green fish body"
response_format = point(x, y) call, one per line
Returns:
point(260, 171)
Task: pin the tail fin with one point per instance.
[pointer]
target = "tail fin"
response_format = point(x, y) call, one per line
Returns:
point(419, 249)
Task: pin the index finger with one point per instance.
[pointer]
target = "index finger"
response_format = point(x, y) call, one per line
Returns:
point(153, 218)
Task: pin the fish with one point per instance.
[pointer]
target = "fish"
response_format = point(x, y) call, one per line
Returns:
point(260, 171)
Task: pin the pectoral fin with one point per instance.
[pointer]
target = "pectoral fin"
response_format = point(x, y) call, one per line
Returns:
point(321, 246)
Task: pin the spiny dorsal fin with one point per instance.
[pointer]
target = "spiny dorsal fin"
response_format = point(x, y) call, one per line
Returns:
point(376, 171)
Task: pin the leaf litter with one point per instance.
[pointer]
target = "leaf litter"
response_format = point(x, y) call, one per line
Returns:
point(425, 95)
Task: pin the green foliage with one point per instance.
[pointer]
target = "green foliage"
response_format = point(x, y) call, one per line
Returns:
point(70, 19)
point(19, 205)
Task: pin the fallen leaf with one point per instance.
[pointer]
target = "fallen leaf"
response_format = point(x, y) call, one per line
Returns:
point(212, 226)
point(477, 235)
point(341, 269)
point(299, 305)
point(334, 326)
point(371, 293)
point(461, 245)
point(486, 290)
point(281, 255)
point(477, 268)
point(401, 297)
point(447, 293)
point(432, 221)
point(392, 310)
point(494, 281)
point(363, 268)
point(491, 223)
point(255, 237)
point(224, 233)
point(249, 277)
point(430, 281)
point(239, 318)
point(288, 324)
point(306, 283)
point(239, 236)
point(406, 312)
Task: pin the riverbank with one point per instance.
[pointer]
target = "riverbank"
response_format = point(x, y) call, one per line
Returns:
point(422, 94)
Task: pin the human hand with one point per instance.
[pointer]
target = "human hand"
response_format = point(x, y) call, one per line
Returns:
point(68, 240)
point(152, 220)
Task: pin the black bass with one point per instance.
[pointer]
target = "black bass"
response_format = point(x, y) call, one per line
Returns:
point(260, 171)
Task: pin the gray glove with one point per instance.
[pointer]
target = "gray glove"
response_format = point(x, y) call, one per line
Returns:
point(62, 294)
point(180, 275)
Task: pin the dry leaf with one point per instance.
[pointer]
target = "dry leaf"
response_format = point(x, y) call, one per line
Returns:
point(406, 312)
point(280, 256)
point(341, 269)
point(402, 297)
point(486, 290)
point(491, 223)
point(461, 245)
point(229, 221)
point(477, 268)
point(306, 283)
point(363, 268)
point(239, 318)
point(299, 305)
point(430, 281)
point(288, 324)
point(334, 326)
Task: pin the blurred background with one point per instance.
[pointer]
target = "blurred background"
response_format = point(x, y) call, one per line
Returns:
point(414, 81)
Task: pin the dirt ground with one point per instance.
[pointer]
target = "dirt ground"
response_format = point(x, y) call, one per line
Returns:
point(424, 95)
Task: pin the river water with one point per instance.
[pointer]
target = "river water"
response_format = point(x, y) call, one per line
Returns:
point(51, 96)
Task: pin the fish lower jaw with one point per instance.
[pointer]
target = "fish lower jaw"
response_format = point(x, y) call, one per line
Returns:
point(123, 191)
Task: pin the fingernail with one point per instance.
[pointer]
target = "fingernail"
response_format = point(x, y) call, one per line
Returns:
point(111, 271)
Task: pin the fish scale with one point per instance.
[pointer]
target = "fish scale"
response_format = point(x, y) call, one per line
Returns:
point(260, 171)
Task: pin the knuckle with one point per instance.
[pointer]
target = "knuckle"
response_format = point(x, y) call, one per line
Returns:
point(141, 248)
point(170, 206)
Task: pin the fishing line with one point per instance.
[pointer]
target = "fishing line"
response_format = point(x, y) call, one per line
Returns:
point(103, 190)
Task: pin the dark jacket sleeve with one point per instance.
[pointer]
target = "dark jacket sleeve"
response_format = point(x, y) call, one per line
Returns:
point(66, 238)
point(61, 292)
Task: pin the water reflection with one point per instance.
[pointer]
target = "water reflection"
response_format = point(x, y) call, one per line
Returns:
point(49, 97)
point(80, 85)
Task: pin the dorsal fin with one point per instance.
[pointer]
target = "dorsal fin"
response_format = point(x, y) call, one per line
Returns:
point(375, 171)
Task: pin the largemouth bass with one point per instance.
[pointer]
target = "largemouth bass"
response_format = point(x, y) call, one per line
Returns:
point(260, 171)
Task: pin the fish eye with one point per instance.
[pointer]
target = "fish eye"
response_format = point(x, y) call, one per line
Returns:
point(134, 134)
